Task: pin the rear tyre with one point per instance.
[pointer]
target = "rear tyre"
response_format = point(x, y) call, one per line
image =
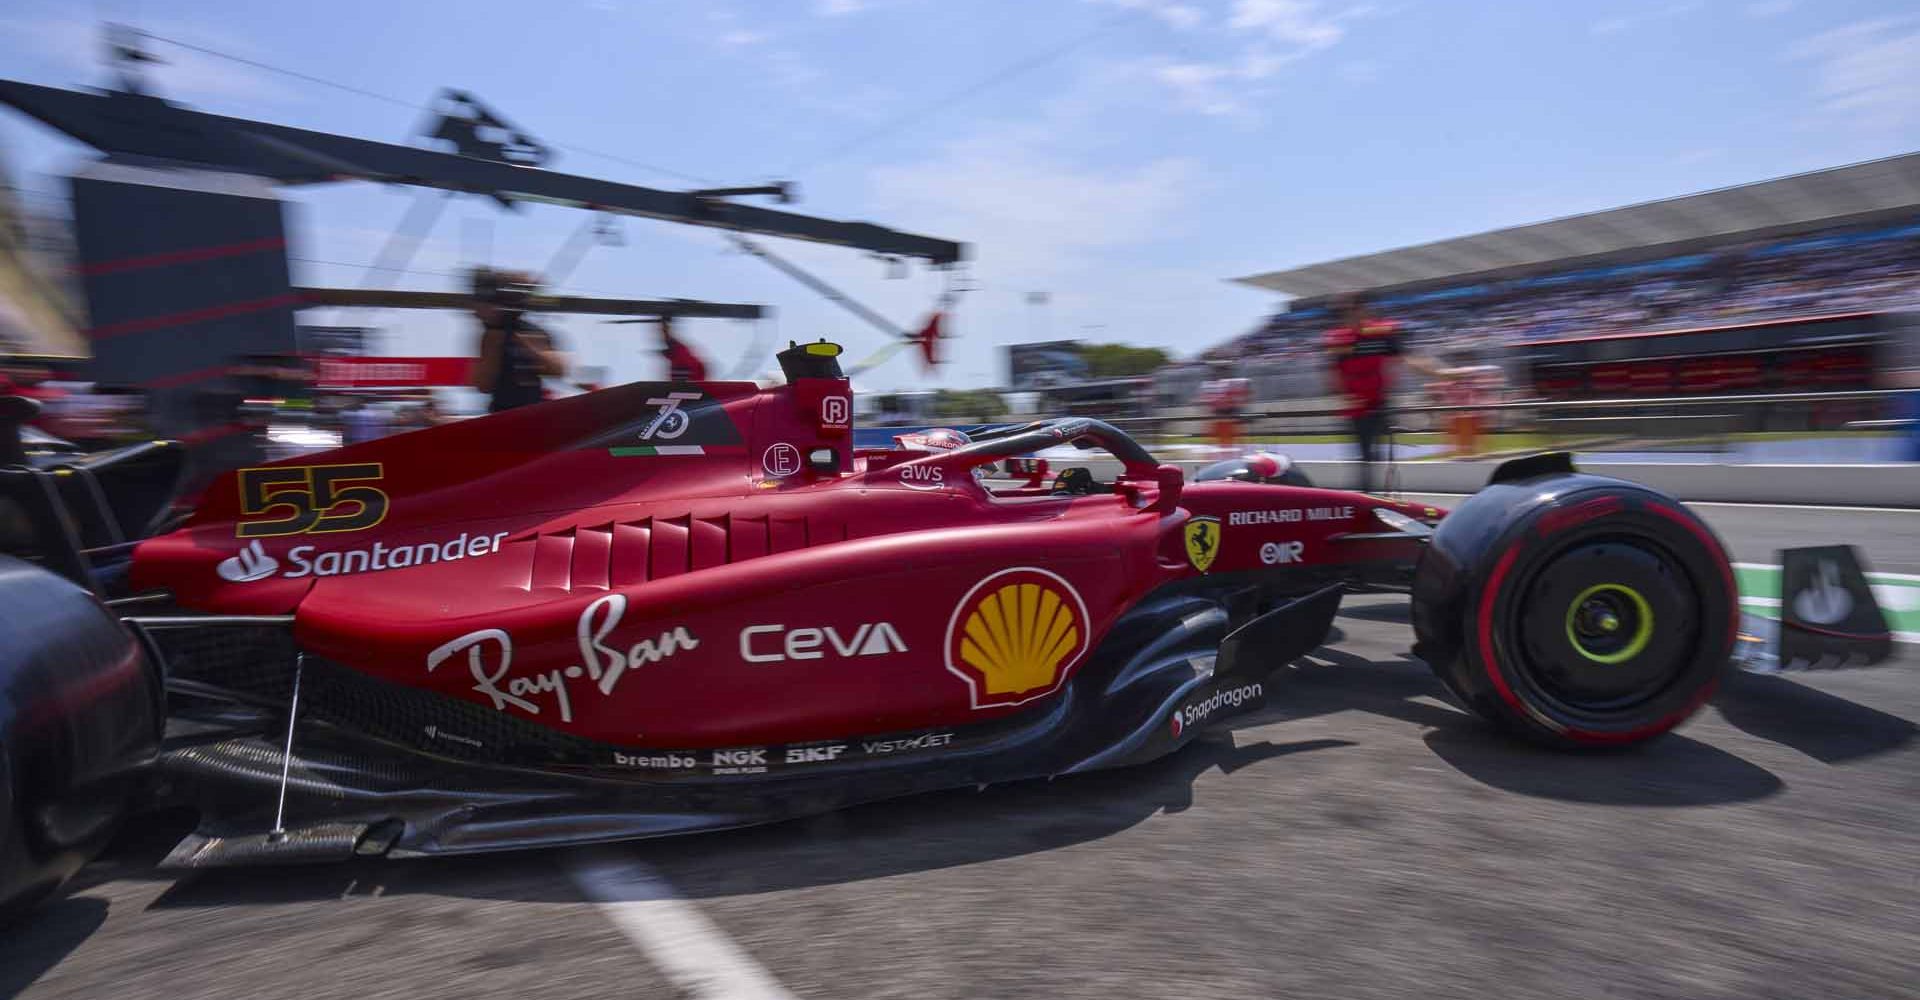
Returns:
point(1576, 611)
point(79, 723)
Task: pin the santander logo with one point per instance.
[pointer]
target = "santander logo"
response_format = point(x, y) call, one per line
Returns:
point(248, 564)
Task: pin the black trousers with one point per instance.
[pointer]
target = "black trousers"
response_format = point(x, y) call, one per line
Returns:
point(1370, 432)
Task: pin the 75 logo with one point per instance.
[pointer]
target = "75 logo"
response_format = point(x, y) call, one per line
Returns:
point(303, 499)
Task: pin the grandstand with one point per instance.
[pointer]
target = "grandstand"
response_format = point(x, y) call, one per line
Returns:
point(1843, 240)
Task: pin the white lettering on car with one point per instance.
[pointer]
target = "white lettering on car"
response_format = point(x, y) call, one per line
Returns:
point(1250, 517)
point(870, 639)
point(923, 477)
point(925, 741)
point(814, 755)
point(253, 562)
point(601, 664)
point(1281, 552)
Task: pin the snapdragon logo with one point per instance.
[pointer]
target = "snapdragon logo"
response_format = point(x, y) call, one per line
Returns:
point(1188, 716)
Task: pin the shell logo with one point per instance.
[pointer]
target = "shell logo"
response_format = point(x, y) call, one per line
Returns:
point(1015, 635)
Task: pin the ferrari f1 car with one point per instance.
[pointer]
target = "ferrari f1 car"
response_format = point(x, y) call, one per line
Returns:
point(662, 608)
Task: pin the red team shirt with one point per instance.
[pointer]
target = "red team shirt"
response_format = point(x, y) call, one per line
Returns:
point(1360, 362)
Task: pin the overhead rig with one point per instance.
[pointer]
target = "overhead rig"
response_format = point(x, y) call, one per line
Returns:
point(182, 239)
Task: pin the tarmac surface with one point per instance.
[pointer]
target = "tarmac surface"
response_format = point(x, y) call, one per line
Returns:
point(1361, 837)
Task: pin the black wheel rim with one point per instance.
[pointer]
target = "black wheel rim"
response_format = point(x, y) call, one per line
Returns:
point(1604, 626)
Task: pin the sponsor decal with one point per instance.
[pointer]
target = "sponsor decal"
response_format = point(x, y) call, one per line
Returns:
point(436, 733)
point(834, 410)
point(778, 643)
point(1192, 714)
point(748, 760)
point(489, 658)
point(1275, 553)
point(1824, 601)
point(248, 564)
point(923, 477)
point(781, 460)
point(309, 499)
point(671, 421)
point(924, 741)
point(654, 761)
point(1015, 635)
point(1294, 516)
point(815, 755)
point(253, 562)
point(666, 432)
point(1203, 541)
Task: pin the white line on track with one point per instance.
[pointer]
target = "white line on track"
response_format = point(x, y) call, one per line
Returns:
point(676, 937)
point(1736, 503)
point(1872, 576)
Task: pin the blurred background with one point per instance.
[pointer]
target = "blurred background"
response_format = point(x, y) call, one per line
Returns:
point(1655, 232)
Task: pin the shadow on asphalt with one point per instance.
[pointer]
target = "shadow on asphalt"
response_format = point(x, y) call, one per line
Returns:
point(31, 947)
point(1826, 727)
point(948, 829)
point(877, 840)
point(1675, 770)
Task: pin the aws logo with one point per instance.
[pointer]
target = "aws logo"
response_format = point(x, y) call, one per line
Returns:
point(1015, 635)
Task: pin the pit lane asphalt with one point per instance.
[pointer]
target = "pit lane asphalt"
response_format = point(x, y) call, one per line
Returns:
point(1358, 838)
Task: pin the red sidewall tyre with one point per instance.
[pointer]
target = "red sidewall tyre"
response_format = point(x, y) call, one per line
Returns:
point(1526, 656)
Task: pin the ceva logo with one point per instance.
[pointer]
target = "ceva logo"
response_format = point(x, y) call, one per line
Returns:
point(249, 564)
point(776, 643)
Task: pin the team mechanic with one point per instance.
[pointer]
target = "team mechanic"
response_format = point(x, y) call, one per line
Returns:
point(1361, 348)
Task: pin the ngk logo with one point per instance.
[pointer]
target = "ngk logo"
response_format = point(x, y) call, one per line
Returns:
point(739, 758)
point(833, 410)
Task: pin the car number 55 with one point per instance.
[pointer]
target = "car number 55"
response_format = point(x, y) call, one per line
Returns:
point(297, 500)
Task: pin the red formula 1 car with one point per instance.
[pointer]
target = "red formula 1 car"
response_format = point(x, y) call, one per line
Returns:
point(661, 608)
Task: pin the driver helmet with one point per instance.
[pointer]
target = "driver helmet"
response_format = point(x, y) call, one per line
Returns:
point(934, 439)
point(939, 439)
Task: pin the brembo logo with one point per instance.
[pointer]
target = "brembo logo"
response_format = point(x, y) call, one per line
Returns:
point(776, 643)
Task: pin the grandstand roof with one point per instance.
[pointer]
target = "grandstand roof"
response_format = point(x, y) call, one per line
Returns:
point(1860, 192)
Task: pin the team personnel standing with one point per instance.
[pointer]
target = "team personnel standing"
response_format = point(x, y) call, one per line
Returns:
point(514, 353)
point(1362, 349)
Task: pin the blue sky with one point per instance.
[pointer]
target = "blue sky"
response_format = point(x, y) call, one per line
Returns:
point(1153, 148)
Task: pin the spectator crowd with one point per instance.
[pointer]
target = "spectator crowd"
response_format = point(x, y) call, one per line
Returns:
point(1842, 270)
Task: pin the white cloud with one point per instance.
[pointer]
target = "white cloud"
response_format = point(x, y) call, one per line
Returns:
point(1868, 72)
point(1298, 23)
point(1032, 213)
point(1259, 38)
point(740, 38)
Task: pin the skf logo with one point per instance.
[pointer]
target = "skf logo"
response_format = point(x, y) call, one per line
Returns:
point(923, 477)
point(1015, 635)
point(1273, 553)
point(833, 411)
point(815, 755)
point(1203, 541)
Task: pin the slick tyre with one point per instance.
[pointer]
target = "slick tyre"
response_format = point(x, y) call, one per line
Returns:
point(1600, 614)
